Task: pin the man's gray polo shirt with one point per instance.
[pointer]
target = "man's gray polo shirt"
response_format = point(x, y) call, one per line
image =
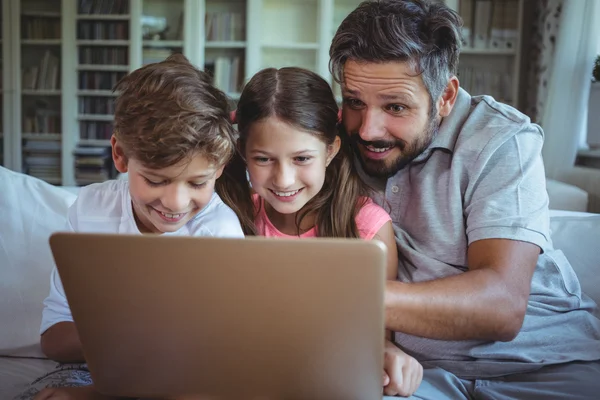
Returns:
point(483, 177)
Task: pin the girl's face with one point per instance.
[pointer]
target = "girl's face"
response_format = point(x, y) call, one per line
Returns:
point(286, 165)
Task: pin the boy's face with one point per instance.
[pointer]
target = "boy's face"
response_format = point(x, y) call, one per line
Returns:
point(164, 200)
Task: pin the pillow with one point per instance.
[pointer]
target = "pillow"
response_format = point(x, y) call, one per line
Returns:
point(31, 211)
point(578, 236)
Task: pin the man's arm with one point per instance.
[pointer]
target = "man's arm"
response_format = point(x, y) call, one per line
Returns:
point(61, 343)
point(487, 302)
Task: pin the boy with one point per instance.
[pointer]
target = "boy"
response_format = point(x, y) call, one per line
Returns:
point(173, 137)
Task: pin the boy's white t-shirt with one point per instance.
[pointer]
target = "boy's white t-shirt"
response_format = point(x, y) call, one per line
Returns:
point(106, 208)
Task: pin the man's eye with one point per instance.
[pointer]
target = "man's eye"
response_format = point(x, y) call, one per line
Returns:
point(396, 108)
point(353, 103)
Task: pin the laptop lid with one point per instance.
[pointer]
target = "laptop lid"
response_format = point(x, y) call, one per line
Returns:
point(252, 318)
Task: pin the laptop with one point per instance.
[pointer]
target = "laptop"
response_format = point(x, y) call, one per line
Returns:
point(254, 318)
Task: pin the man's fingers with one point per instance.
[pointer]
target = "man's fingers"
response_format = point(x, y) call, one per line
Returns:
point(394, 372)
point(386, 378)
point(44, 394)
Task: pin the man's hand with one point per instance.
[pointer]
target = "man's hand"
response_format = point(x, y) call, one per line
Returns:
point(71, 393)
point(402, 374)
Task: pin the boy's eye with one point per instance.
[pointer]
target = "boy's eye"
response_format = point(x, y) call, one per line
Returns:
point(302, 159)
point(153, 183)
point(197, 185)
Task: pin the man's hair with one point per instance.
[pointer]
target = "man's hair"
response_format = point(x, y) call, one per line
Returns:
point(423, 33)
point(169, 111)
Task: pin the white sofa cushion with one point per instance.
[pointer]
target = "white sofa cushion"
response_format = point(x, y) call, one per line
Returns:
point(31, 211)
point(567, 197)
point(578, 236)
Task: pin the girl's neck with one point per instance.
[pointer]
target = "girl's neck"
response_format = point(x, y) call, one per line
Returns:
point(286, 223)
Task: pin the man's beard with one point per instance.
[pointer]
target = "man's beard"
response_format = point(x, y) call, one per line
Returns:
point(410, 151)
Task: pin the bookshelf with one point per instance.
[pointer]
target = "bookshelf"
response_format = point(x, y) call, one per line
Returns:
point(37, 106)
point(90, 44)
point(491, 54)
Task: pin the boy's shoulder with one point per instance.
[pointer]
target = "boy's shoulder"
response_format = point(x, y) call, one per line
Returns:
point(216, 219)
point(101, 200)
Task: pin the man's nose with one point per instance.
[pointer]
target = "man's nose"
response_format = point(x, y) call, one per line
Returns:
point(285, 177)
point(372, 126)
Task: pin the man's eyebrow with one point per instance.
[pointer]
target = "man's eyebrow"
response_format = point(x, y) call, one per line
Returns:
point(393, 96)
point(350, 92)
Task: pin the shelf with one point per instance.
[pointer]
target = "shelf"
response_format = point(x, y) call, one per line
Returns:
point(50, 180)
point(103, 17)
point(290, 46)
point(41, 14)
point(102, 42)
point(42, 136)
point(107, 93)
point(95, 117)
point(225, 45)
point(163, 43)
point(94, 142)
point(100, 67)
point(41, 42)
point(41, 92)
point(490, 52)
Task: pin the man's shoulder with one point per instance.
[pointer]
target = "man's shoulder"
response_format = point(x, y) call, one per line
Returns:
point(101, 200)
point(216, 219)
point(489, 124)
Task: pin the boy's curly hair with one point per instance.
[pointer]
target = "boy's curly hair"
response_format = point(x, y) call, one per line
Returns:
point(169, 111)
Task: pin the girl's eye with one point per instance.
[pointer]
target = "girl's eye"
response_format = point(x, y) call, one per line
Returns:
point(261, 160)
point(302, 159)
point(197, 185)
point(154, 184)
point(396, 108)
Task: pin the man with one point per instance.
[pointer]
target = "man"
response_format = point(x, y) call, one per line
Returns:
point(482, 300)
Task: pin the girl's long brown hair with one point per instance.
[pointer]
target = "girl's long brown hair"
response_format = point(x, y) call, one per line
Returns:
point(304, 100)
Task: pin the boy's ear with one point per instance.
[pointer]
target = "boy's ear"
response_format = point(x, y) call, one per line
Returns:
point(118, 155)
point(333, 149)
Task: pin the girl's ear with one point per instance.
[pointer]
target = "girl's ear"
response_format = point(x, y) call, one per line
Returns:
point(333, 149)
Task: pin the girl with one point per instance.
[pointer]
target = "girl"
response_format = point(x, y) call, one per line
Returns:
point(301, 171)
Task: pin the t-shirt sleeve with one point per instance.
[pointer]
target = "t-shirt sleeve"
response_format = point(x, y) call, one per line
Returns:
point(506, 196)
point(222, 223)
point(56, 308)
point(370, 219)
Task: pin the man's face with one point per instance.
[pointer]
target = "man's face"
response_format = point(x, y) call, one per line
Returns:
point(386, 113)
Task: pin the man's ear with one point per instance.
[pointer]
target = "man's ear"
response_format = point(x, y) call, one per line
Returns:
point(118, 155)
point(448, 97)
point(333, 149)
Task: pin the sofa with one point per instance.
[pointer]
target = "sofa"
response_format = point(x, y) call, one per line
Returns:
point(31, 210)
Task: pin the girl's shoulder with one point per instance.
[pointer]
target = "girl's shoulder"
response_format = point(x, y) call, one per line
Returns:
point(370, 218)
